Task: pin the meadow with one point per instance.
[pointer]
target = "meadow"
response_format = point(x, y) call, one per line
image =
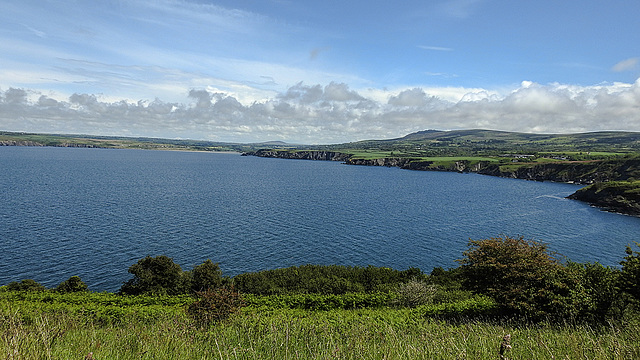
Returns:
point(157, 328)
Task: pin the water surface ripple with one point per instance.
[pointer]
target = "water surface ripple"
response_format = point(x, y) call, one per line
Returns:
point(94, 212)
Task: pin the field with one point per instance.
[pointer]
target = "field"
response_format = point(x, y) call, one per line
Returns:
point(157, 328)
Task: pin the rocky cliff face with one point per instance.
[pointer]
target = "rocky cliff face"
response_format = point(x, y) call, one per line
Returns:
point(579, 173)
point(19, 143)
point(34, 143)
point(302, 155)
point(618, 196)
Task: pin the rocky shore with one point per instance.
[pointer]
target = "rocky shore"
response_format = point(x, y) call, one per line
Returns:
point(616, 196)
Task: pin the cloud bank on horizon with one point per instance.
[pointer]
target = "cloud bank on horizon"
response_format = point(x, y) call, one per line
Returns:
point(317, 72)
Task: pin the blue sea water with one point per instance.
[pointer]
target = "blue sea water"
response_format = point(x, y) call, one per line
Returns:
point(94, 212)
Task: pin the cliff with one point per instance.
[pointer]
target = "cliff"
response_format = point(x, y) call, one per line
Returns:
point(301, 155)
point(36, 143)
point(575, 172)
point(616, 196)
point(586, 172)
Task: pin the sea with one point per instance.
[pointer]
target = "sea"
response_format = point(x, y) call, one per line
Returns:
point(95, 212)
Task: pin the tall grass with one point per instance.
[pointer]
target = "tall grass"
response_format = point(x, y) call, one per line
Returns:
point(302, 334)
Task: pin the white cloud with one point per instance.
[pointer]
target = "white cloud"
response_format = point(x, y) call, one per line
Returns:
point(626, 65)
point(333, 113)
point(460, 9)
point(434, 48)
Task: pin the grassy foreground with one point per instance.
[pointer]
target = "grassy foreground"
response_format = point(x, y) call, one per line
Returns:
point(263, 333)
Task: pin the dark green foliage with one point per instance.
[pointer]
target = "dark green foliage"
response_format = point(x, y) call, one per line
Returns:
point(73, 284)
point(319, 279)
point(215, 305)
point(25, 285)
point(629, 282)
point(320, 301)
point(450, 279)
point(155, 275)
point(600, 284)
point(523, 278)
point(206, 276)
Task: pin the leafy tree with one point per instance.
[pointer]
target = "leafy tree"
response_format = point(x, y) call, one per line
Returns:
point(73, 284)
point(523, 278)
point(25, 285)
point(629, 282)
point(206, 276)
point(600, 283)
point(155, 275)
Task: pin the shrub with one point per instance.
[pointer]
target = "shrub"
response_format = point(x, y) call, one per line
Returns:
point(629, 282)
point(73, 284)
point(25, 285)
point(206, 276)
point(600, 283)
point(332, 279)
point(155, 275)
point(523, 278)
point(414, 293)
point(215, 305)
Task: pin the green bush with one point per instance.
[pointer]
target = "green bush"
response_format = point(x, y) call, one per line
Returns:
point(319, 279)
point(214, 305)
point(629, 281)
point(320, 301)
point(524, 278)
point(155, 275)
point(206, 276)
point(73, 284)
point(25, 285)
point(414, 293)
point(600, 283)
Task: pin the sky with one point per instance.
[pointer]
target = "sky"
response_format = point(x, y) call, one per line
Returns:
point(317, 72)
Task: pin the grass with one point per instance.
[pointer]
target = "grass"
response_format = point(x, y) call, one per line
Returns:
point(263, 333)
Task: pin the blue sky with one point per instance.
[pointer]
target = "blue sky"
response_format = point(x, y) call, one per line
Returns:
point(317, 71)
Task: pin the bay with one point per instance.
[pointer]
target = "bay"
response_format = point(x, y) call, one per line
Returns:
point(94, 212)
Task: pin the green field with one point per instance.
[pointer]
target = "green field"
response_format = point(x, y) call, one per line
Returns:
point(156, 328)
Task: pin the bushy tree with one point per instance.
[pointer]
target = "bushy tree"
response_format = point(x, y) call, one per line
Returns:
point(25, 285)
point(523, 277)
point(155, 275)
point(72, 284)
point(600, 283)
point(206, 276)
point(629, 282)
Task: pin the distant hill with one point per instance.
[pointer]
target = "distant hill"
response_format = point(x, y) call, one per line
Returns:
point(493, 143)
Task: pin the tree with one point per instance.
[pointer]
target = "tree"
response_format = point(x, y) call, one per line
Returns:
point(523, 277)
point(25, 285)
point(206, 276)
point(155, 275)
point(73, 284)
point(629, 281)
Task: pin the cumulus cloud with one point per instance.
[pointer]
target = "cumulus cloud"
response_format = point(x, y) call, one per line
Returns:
point(332, 113)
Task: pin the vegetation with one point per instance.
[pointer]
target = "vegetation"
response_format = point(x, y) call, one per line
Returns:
point(524, 278)
point(334, 279)
point(115, 142)
point(618, 196)
point(505, 285)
